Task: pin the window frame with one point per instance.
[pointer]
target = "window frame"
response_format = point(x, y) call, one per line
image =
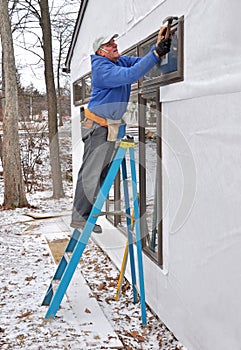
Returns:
point(83, 94)
point(172, 77)
point(86, 87)
point(76, 86)
point(155, 256)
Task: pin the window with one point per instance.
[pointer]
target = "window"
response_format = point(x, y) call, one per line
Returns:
point(82, 90)
point(87, 87)
point(150, 174)
point(170, 69)
point(77, 92)
point(143, 119)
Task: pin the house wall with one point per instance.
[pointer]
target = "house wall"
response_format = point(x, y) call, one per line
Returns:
point(203, 277)
point(197, 294)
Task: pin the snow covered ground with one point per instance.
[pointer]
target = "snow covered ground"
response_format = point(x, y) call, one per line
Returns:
point(26, 268)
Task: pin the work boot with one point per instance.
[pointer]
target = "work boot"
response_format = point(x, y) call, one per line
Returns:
point(79, 225)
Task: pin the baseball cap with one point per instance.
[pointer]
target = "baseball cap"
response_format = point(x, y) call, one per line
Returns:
point(103, 40)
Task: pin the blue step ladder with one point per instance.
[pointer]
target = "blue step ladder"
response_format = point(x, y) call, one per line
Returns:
point(79, 240)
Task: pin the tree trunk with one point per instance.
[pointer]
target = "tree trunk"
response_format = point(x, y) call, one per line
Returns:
point(51, 100)
point(58, 84)
point(1, 149)
point(14, 192)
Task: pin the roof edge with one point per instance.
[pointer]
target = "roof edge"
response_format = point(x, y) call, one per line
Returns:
point(78, 23)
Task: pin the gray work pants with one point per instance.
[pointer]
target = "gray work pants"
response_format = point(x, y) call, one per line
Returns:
point(98, 153)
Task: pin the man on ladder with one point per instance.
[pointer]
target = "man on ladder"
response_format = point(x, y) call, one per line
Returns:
point(112, 76)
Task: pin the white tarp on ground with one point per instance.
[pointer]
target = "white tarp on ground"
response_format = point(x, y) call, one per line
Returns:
point(198, 298)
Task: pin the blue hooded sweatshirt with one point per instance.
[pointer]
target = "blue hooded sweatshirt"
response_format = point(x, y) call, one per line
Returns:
point(111, 82)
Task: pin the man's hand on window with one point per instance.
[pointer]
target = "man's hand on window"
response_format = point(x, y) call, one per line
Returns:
point(163, 47)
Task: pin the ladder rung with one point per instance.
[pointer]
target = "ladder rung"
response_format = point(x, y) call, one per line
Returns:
point(67, 256)
point(60, 269)
point(48, 296)
point(55, 284)
point(73, 241)
point(50, 293)
point(137, 288)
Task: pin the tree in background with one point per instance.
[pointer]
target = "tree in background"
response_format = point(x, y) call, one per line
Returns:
point(28, 37)
point(51, 100)
point(31, 103)
point(62, 30)
point(33, 34)
point(14, 192)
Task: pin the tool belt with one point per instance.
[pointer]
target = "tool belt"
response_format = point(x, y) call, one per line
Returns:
point(112, 125)
point(92, 116)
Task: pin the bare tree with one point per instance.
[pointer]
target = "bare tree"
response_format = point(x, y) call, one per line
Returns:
point(51, 100)
point(32, 18)
point(14, 193)
point(62, 20)
point(30, 22)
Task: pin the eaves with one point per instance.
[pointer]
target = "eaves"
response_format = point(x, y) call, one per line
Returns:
point(78, 23)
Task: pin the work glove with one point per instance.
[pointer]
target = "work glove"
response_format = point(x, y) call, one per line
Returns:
point(163, 47)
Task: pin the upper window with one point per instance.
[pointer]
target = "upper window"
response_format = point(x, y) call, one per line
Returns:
point(82, 90)
point(170, 68)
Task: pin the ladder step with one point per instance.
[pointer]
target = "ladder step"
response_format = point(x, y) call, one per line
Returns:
point(60, 269)
point(55, 285)
point(73, 241)
point(50, 293)
point(67, 256)
point(48, 296)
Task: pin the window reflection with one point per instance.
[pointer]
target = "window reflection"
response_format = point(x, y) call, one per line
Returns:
point(87, 86)
point(149, 222)
point(131, 115)
point(77, 91)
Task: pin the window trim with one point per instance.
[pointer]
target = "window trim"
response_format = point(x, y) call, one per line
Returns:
point(157, 257)
point(84, 98)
